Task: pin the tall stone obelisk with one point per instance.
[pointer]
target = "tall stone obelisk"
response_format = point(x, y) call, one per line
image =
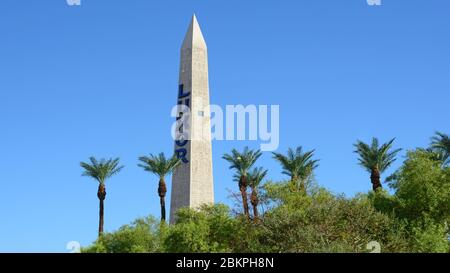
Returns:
point(192, 180)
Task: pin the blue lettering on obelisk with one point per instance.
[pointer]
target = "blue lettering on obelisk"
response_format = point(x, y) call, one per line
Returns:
point(181, 151)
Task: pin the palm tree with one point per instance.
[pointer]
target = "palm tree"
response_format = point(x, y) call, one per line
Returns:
point(298, 165)
point(161, 167)
point(242, 162)
point(375, 159)
point(437, 155)
point(100, 171)
point(440, 144)
point(255, 178)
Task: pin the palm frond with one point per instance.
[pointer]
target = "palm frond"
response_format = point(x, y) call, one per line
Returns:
point(242, 161)
point(101, 170)
point(297, 163)
point(376, 156)
point(159, 165)
point(256, 176)
point(440, 144)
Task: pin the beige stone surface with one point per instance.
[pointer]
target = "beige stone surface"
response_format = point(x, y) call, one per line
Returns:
point(192, 183)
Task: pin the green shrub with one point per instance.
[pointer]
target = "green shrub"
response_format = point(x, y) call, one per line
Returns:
point(143, 235)
point(210, 229)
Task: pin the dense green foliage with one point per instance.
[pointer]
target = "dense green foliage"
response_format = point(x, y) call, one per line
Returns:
point(413, 217)
point(143, 235)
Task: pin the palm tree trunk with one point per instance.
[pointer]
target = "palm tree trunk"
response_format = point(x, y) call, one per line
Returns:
point(243, 189)
point(162, 190)
point(244, 201)
point(254, 201)
point(163, 209)
point(298, 184)
point(302, 186)
point(101, 194)
point(101, 218)
point(375, 179)
point(294, 181)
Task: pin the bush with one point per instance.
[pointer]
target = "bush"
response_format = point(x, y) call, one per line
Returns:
point(423, 188)
point(210, 229)
point(143, 235)
point(328, 223)
point(429, 237)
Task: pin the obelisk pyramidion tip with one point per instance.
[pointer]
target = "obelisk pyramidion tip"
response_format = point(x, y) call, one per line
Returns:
point(194, 35)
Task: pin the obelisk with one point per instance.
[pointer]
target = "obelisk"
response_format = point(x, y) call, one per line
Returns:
point(192, 180)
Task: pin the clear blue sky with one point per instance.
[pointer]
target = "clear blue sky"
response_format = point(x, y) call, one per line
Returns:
point(100, 79)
